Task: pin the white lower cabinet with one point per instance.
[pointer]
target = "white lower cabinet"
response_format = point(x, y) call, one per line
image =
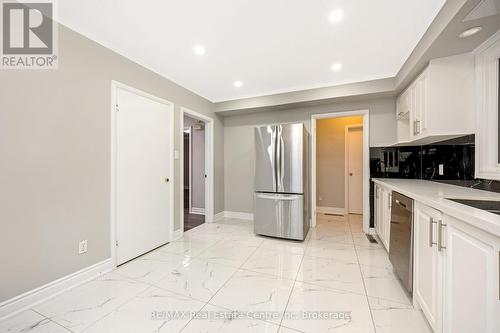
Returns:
point(472, 299)
point(456, 273)
point(428, 264)
point(383, 197)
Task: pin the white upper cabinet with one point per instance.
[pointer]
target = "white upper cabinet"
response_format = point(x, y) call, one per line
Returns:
point(439, 104)
point(487, 118)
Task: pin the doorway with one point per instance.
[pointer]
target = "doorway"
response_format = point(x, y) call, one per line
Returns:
point(142, 169)
point(343, 151)
point(194, 172)
point(206, 212)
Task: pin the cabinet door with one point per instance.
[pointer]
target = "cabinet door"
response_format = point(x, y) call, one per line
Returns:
point(427, 264)
point(378, 212)
point(387, 217)
point(471, 301)
point(421, 103)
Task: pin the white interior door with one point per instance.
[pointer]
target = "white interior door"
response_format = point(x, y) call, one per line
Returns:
point(142, 174)
point(355, 170)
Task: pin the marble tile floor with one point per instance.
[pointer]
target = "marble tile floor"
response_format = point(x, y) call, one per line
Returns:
point(220, 277)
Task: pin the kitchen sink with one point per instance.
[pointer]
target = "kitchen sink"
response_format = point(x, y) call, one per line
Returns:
point(487, 205)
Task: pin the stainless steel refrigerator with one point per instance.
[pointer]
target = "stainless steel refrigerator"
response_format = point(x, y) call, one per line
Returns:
point(281, 206)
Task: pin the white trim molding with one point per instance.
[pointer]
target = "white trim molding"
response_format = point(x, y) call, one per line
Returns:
point(238, 215)
point(197, 211)
point(218, 216)
point(233, 215)
point(41, 294)
point(366, 161)
point(331, 210)
point(177, 234)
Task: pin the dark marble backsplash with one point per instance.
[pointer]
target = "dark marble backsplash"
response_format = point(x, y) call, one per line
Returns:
point(455, 156)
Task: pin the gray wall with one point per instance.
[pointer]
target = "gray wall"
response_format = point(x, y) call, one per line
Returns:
point(330, 160)
point(55, 159)
point(239, 141)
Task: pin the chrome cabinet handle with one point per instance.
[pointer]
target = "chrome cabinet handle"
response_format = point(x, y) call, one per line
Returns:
point(417, 125)
point(431, 232)
point(440, 235)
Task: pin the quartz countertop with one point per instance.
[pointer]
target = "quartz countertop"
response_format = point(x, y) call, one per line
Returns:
point(436, 195)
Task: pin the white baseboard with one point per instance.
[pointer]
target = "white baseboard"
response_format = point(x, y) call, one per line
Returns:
point(331, 210)
point(218, 216)
point(238, 215)
point(197, 211)
point(177, 234)
point(38, 295)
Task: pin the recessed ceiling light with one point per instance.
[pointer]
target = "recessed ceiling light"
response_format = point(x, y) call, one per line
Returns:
point(199, 50)
point(470, 32)
point(336, 15)
point(336, 67)
point(237, 84)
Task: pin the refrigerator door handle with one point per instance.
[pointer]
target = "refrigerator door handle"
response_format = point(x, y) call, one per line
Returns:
point(278, 197)
point(276, 153)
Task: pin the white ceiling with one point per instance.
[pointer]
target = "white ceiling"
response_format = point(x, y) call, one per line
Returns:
point(271, 46)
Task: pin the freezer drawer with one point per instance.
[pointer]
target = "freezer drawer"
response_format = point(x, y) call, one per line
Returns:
point(280, 215)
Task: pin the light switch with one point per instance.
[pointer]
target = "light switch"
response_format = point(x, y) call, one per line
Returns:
point(176, 154)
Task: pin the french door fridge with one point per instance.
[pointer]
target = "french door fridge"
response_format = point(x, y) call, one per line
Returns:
point(281, 206)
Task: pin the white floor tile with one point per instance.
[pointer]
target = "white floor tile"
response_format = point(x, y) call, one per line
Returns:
point(215, 319)
point(150, 311)
point(278, 263)
point(373, 257)
point(383, 283)
point(80, 307)
point(32, 322)
point(198, 279)
point(190, 247)
point(393, 317)
point(230, 253)
point(287, 246)
point(249, 291)
point(342, 311)
point(331, 273)
point(331, 250)
point(152, 267)
point(228, 266)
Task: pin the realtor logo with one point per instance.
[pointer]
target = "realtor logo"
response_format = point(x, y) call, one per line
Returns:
point(29, 39)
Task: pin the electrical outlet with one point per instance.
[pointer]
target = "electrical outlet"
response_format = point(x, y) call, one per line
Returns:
point(82, 246)
point(441, 169)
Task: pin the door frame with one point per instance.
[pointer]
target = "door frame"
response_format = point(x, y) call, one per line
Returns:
point(190, 169)
point(209, 167)
point(346, 164)
point(171, 195)
point(366, 162)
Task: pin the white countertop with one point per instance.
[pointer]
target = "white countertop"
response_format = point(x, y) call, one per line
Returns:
point(434, 194)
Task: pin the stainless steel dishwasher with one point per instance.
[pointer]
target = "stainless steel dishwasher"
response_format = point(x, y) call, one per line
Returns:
point(401, 239)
